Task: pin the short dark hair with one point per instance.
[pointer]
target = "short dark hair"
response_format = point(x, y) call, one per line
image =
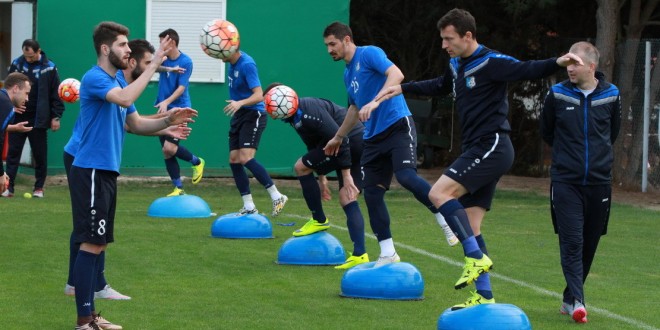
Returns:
point(173, 35)
point(16, 79)
point(139, 47)
point(271, 86)
point(462, 21)
point(31, 44)
point(339, 30)
point(106, 33)
point(589, 51)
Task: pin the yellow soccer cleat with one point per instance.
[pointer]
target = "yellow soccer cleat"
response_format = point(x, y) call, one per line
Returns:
point(198, 171)
point(312, 226)
point(176, 192)
point(474, 300)
point(472, 269)
point(353, 261)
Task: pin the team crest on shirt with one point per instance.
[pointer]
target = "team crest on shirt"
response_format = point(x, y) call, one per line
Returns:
point(470, 82)
point(236, 73)
point(357, 66)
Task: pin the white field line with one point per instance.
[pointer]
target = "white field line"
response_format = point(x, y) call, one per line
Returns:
point(636, 323)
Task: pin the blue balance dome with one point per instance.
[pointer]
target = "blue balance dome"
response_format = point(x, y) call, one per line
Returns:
point(183, 206)
point(396, 281)
point(487, 316)
point(234, 225)
point(317, 249)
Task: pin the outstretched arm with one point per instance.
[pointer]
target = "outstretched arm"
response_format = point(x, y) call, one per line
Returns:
point(146, 126)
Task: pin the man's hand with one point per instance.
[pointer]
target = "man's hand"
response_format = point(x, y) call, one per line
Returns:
point(349, 189)
point(180, 132)
point(54, 124)
point(166, 44)
point(4, 182)
point(568, 59)
point(177, 69)
point(367, 109)
point(231, 108)
point(388, 93)
point(20, 109)
point(162, 107)
point(332, 147)
point(19, 127)
point(178, 116)
point(326, 195)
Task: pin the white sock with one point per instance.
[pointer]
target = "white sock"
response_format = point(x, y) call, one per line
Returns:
point(248, 203)
point(274, 193)
point(387, 248)
point(440, 219)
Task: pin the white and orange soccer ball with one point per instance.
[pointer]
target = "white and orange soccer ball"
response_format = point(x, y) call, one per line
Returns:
point(219, 39)
point(281, 102)
point(69, 90)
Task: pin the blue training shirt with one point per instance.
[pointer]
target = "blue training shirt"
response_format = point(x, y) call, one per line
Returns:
point(101, 122)
point(364, 77)
point(242, 78)
point(168, 82)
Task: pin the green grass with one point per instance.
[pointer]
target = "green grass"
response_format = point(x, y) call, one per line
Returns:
point(181, 278)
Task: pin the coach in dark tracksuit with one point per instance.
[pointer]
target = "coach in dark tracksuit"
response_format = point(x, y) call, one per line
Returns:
point(580, 120)
point(43, 111)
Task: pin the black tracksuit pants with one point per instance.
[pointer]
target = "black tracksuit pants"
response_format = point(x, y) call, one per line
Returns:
point(38, 138)
point(580, 215)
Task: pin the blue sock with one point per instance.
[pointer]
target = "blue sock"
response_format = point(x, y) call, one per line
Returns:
point(379, 217)
point(172, 166)
point(100, 277)
point(73, 254)
point(83, 279)
point(183, 154)
point(312, 195)
point(355, 224)
point(195, 160)
point(241, 178)
point(483, 281)
point(409, 179)
point(458, 221)
point(259, 173)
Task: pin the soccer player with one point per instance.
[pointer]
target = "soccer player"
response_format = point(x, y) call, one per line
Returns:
point(248, 122)
point(13, 97)
point(316, 121)
point(478, 76)
point(390, 139)
point(106, 104)
point(173, 93)
point(580, 120)
point(140, 57)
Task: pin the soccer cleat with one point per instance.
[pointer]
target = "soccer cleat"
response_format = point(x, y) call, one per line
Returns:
point(566, 308)
point(198, 171)
point(472, 269)
point(278, 205)
point(7, 193)
point(579, 313)
point(387, 260)
point(474, 300)
point(88, 326)
point(312, 226)
point(353, 261)
point(38, 193)
point(244, 211)
point(105, 324)
point(110, 293)
point(449, 234)
point(176, 192)
point(69, 290)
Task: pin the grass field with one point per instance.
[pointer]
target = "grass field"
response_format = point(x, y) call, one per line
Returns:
point(181, 278)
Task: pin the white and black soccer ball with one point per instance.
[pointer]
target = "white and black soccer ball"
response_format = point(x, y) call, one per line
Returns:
point(219, 39)
point(281, 102)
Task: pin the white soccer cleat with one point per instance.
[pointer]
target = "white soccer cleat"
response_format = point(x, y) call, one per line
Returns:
point(111, 294)
point(387, 260)
point(452, 240)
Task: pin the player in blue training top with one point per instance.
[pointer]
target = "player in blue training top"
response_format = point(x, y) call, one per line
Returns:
point(248, 122)
point(141, 55)
point(173, 93)
point(316, 121)
point(478, 76)
point(390, 139)
point(106, 105)
point(13, 97)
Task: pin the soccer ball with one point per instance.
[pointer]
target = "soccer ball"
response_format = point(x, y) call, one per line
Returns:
point(69, 90)
point(281, 102)
point(219, 39)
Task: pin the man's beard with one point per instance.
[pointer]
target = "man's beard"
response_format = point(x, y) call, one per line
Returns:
point(136, 73)
point(116, 61)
